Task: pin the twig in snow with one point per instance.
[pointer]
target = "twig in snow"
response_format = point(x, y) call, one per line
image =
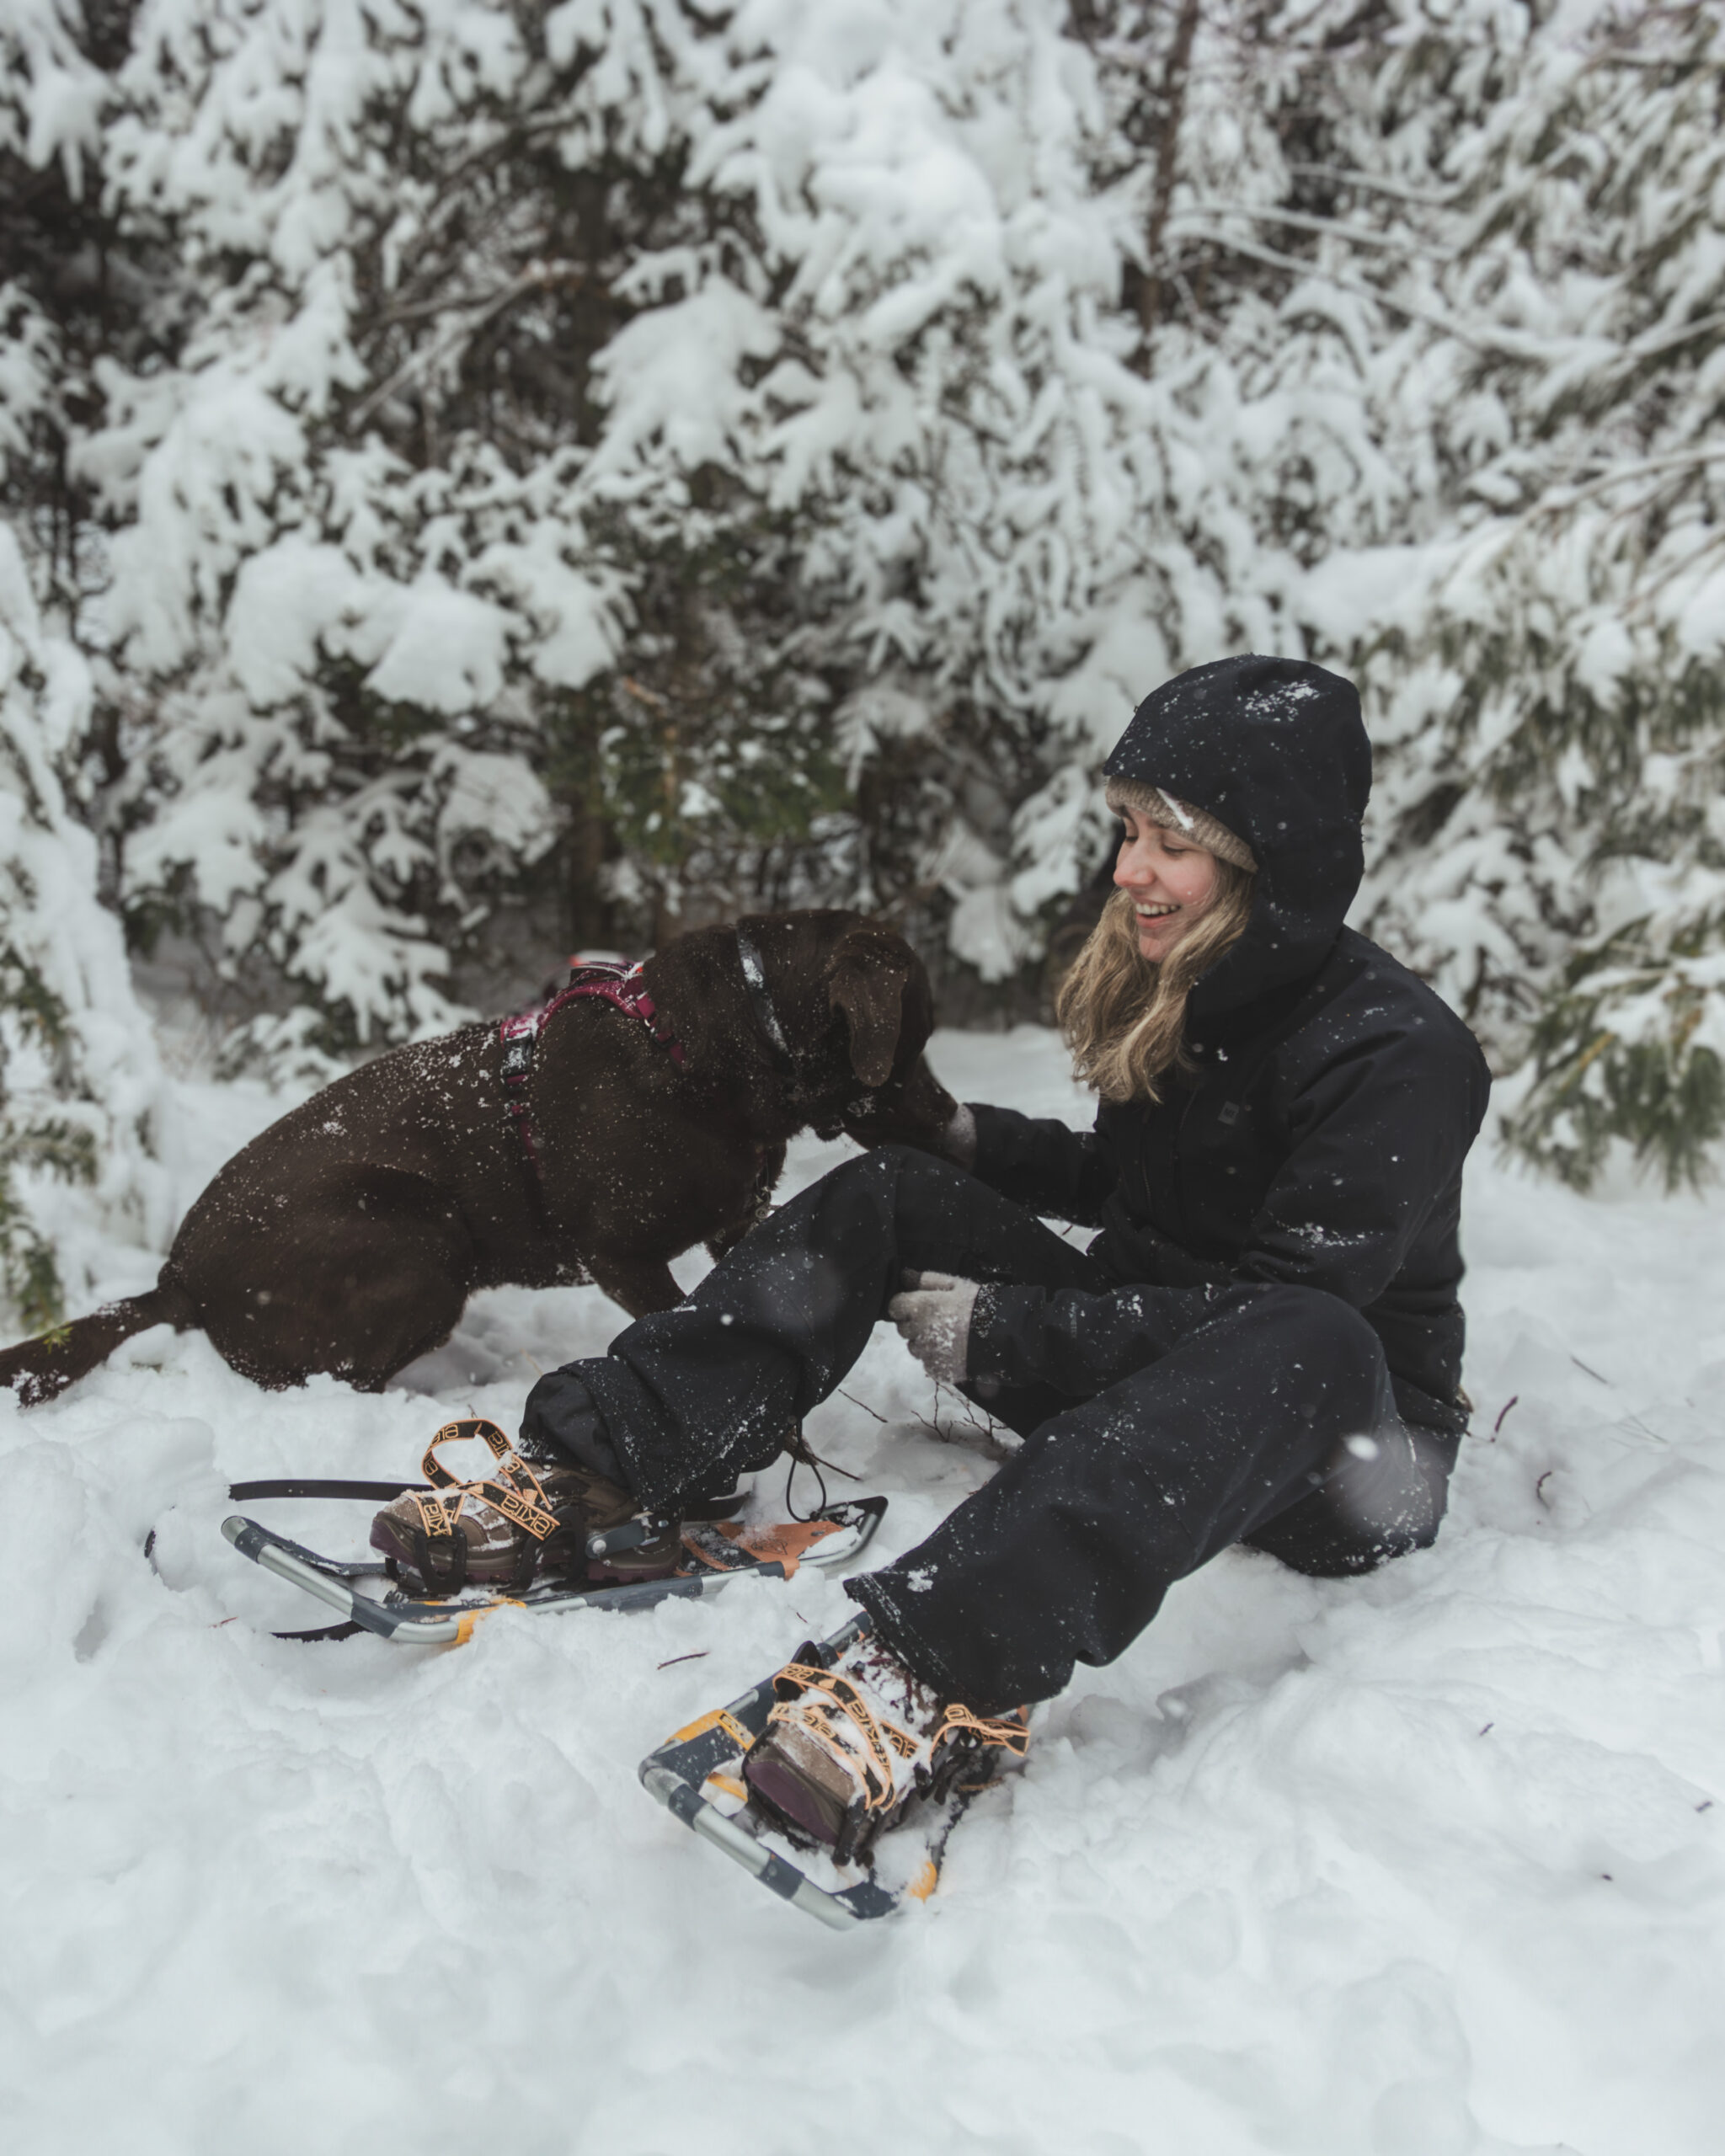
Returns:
point(862, 1404)
point(698, 1655)
point(1538, 1488)
point(1501, 1413)
point(970, 1435)
point(1590, 1369)
point(985, 1428)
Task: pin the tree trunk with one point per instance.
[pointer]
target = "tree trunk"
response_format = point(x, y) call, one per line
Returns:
point(1167, 162)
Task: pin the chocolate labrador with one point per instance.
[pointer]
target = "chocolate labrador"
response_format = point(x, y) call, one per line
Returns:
point(639, 1114)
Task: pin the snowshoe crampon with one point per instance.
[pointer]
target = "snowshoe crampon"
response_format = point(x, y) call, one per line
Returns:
point(715, 1551)
point(697, 1776)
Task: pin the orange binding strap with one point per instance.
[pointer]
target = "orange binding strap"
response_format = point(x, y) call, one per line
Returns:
point(1012, 1736)
point(1008, 1734)
point(532, 1515)
point(878, 1768)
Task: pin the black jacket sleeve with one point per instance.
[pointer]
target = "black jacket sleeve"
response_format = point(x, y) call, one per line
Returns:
point(1042, 1165)
point(1077, 1342)
point(1379, 1133)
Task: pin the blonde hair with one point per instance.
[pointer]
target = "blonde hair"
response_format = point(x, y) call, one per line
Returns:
point(1123, 1018)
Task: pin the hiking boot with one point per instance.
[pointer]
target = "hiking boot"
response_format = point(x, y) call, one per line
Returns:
point(519, 1523)
point(847, 1750)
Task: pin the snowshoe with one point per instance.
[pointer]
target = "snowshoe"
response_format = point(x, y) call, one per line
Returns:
point(518, 1524)
point(800, 1780)
point(714, 1548)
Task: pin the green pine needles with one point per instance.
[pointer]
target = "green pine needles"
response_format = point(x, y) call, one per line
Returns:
point(28, 1275)
point(1619, 1052)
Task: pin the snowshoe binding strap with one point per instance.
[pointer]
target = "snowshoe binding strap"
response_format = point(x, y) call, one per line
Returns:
point(440, 1552)
point(1009, 1733)
point(1006, 1732)
point(797, 1678)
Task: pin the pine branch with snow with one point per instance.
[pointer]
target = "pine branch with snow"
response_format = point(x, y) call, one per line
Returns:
point(1547, 681)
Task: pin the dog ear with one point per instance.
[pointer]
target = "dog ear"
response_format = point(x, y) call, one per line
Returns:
point(869, 974)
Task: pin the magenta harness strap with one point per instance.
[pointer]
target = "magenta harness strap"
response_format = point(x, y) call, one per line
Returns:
point(519, 1035)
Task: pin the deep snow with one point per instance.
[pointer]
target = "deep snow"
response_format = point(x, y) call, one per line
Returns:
point(1417, 1866)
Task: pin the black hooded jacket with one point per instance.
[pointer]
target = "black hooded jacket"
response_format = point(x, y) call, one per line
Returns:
point(1319, 1137)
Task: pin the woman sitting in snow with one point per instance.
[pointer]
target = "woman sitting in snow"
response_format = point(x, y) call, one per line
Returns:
point(1262, 1344)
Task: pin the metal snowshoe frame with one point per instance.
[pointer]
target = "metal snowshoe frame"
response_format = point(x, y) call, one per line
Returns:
point(697, 1775)
point(844, 1531)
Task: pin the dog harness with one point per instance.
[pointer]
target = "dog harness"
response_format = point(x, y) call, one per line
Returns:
point(611, 982)
point(623, 986)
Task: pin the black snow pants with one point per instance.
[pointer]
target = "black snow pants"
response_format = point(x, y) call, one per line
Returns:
point(1271, 1422)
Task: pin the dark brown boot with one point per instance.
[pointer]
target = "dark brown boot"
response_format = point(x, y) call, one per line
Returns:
point(847, 1750)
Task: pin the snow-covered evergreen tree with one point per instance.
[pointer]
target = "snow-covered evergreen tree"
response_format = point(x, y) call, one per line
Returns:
point(1546, 667)
point(674, 458)
point(731, 423)
point(79, 1082)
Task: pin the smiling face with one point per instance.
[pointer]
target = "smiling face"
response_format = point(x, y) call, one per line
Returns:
point(1170, 880)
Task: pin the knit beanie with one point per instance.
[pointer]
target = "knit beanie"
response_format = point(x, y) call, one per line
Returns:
point(1197, 824)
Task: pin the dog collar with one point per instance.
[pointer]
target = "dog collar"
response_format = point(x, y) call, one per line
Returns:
point(760, 1002)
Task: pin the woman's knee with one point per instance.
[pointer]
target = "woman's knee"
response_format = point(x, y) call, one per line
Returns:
point(1384, 1496)
point(1311, 1317)
point(893, 1164)
point(1323, 1351)
point(1391, 1490)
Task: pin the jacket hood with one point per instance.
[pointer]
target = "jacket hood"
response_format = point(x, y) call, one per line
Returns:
point(1276, 749)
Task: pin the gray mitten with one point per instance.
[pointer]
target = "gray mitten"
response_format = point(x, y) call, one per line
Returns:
point(933, 1318)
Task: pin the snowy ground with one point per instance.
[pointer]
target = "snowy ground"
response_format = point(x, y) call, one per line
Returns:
point(1414, 1867)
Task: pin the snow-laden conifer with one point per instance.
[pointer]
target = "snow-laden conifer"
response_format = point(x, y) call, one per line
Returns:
point(80, 1085)
point(642, 460)
point(1547, 670)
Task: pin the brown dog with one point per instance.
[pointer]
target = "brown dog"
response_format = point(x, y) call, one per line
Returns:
point(349, 1235)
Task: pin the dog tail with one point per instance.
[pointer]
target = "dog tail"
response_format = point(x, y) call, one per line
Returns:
point(40, 1369)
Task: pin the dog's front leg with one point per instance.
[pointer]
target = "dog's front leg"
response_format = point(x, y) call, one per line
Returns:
point(769, 1165)
point(640, 1284)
